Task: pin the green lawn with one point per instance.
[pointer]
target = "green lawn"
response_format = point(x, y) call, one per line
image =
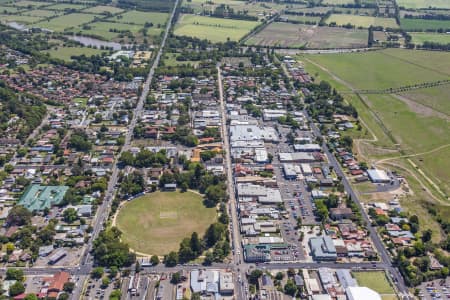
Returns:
point(66, 21)
point(424, 3)
point(376, 281)
point(102, 9)
point(213, 29)
point(156, 223)
point(420, 38)
point(421, 24)
point(361, 21)
point(65, 53)
point(140, 17)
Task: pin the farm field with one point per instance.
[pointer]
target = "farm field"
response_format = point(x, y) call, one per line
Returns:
point(213, 29)
point(66, 21)
point(140, 18)
point(66, 6)
point(422, 25)
point(253, 9)
point(385, 69)
point(301, 18)
point(423, 3)
point(337, 2)
point(156, 223)
point(376, 281)
point(102, 9)
point(42, 13)
point(417, 120)
point(361, 21)
point(65, 53)
point(435, 97)
point(19, 19)
point(298, 35)
point(420, 38)
point(33, 4)
point(102, 30)
point(8, 9)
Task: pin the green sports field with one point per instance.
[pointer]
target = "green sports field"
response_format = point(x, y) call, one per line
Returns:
point(157, 222)
point(361, 21)
point(213, 29)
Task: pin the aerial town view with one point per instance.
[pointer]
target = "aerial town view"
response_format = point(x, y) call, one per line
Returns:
point(225, 149)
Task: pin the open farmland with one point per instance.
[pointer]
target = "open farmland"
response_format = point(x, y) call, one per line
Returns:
point(141, 17)
point(424, 3)
point(383, 69)
point(297, 35)
point(422, 25)
point(361, 21)
point(110, 31)
point(19, 19)
point(42, 13)
point(66, 6)
point(66, 21)
point(417, 121)
point(252, 8)
point(8, 9)
point(28, 4)
point(301, 19)
point(65, 53)
point(102, 9)
point(420, 38)
point(156, 223)
point(337, 2)
point(213, 29)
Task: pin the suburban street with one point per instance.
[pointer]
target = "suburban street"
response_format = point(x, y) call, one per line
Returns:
point(103, 211)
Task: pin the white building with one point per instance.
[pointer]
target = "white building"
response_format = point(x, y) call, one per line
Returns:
point(360, 292)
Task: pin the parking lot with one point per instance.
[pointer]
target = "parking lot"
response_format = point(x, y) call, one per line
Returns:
point(436, 289)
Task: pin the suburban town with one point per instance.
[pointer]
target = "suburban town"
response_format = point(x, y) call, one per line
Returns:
point(191, 149)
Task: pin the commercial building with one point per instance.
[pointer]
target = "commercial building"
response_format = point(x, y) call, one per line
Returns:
point(345, 278)
point(37, 197)
point(358, 293)
point(226, 285)
point(322, 248)
point(378, 176)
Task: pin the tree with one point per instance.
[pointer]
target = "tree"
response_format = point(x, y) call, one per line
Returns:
point(31, 297)
point(97, 272)
point(279, 276)
point(19, 216)
point(176, 278)
point(290, 288)
point(209, 259)
point(63, 296)
point(68, 287)
point(70, 215)
point(16, 289)
point(10, 248)
point(171, 260)
point(254, 276)
point(426, 235)
point(109, 250)
point(115, 295)
point(14, 274)
point(154, 260)
point(105, 282)
point(195, 243)
point(113, 271)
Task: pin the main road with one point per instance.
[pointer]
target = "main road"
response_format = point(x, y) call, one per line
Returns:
point(235, 234)
point(103, 211)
